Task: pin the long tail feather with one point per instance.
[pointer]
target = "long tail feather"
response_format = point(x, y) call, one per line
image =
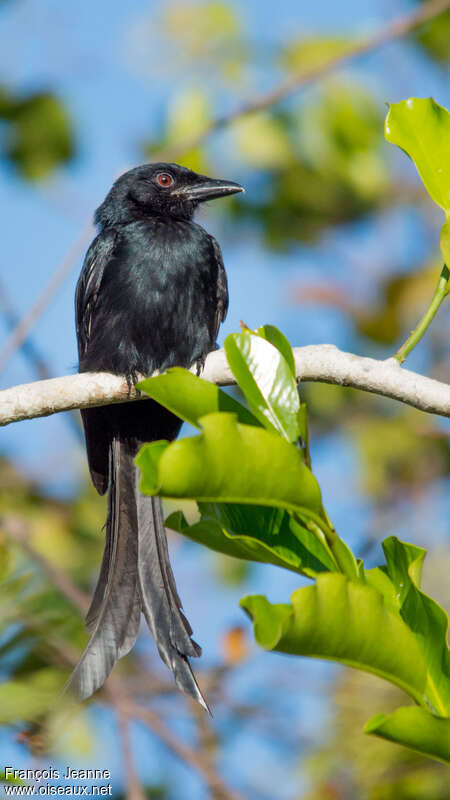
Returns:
point(159, 597)
point(135, 575)
point(115, 611)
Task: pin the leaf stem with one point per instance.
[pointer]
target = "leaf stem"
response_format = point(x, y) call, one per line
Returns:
point(442, 289)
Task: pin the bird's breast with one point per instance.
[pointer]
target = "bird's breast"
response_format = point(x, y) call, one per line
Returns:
point(160, 289)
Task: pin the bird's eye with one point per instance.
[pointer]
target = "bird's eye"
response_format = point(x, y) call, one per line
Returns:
point(164, 179)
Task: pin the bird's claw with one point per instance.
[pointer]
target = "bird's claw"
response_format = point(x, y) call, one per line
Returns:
point(200, 364)
point(131, 379)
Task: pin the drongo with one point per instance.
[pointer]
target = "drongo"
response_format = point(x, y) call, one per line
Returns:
point(151, 295)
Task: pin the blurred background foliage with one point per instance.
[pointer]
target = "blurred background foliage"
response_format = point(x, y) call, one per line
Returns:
point(37, 135)
point(352, 240)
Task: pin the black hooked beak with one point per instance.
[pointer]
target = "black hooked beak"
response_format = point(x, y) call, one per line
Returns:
point(210, 189)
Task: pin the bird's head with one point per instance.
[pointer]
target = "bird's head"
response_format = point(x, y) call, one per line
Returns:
point(163, 189)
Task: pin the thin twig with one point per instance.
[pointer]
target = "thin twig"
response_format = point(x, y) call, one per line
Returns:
point(29, 349)
point(207, 741)
point(183, 751)
point(307, 76)
point(32, 353)
point(18, 530)
point(323, 363)
point(134, 786)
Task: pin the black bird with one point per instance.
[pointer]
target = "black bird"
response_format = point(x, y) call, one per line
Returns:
point(151, 295)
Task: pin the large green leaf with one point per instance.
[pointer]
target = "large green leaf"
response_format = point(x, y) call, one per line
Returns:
point(278, 526)
point(426, 618)
point(266, 379)
point(257, 533)
point(399, 582)
point(191, 398)
point(234, 463)
point(416, 728)
point(230, 462)
point(345, 621)
point(421, 128)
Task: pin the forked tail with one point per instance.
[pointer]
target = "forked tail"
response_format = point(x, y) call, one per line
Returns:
point(135, 575)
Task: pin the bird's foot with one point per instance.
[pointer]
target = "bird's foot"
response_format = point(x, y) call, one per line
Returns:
point(132, 378)
point(200, 364)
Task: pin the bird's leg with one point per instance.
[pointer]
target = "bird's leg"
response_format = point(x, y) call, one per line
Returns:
point(200, 364)
point(131, 379)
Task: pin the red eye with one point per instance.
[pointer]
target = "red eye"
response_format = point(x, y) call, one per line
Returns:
point(164, 179)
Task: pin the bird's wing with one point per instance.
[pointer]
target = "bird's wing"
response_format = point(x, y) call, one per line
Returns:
point(88, 286)
point(86, 297)
point(222, 287)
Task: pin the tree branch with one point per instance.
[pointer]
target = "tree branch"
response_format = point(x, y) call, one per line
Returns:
point(323, 363)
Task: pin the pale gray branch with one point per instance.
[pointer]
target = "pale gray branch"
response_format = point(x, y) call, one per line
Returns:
point(323, 363)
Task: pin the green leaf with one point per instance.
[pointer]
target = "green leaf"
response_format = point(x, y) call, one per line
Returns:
point(421, 128)
point(40, 136)
point(346, 559)
point(257, 533)
point(346, 621)
point(271, 623)
point(9, 779)
point(426, 619)
point(147, 459)
point(278, 339)
point(26, 700)
point(188, 114)
point(380, 581)
point(191, 398)
point(263, 141)
point(416, 728)
point(312, 52)
point(267, 382)
point(435, 37)
point(230, 462)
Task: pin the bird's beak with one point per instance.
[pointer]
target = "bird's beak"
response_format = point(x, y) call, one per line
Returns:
point(210, 189)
